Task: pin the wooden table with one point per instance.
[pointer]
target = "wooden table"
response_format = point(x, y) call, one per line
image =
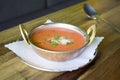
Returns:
point(106, 66)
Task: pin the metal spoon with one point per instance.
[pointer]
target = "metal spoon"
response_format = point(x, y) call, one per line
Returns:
point(92, 14)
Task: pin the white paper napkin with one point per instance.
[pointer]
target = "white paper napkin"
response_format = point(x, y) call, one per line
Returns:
point(26, 53)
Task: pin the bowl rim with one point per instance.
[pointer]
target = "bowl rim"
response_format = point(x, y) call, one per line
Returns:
point(70, 27)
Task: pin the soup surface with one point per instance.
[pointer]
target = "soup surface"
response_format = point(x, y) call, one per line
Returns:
point(57, 39)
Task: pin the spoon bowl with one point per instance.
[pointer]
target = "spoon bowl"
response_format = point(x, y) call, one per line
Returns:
point(92, 14)
point(90, 11)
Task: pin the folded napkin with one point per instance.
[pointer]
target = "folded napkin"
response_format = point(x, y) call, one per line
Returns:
point(26, 53)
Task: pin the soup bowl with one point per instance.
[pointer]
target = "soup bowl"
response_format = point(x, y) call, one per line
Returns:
point(58, 41)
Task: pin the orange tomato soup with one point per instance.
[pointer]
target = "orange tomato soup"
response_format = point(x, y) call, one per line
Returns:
point(51, 39)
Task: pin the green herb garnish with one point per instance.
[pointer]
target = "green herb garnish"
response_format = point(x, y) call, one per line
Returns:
point(54, 44)
point(59, 40)
point(56, 38)
point(69, 43)
point(54, 41)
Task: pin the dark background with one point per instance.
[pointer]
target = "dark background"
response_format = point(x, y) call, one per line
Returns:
point(14, 12)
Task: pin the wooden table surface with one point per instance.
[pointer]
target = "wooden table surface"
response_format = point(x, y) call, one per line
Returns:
point(106, 65)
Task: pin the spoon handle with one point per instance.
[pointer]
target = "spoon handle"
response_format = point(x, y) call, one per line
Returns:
point(111, 24)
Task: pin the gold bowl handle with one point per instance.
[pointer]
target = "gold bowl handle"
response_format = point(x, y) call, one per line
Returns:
point(91, 32)
point(24, 33)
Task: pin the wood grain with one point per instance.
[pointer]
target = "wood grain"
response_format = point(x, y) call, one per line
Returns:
point(108, 70)
point(106, 65)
